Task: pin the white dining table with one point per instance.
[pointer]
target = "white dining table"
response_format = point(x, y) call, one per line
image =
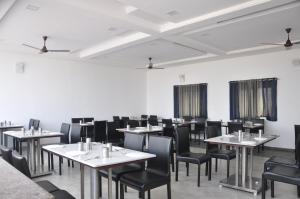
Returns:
point(6, 127)
point(94, 160)
point(33, 150)
point(244, 145)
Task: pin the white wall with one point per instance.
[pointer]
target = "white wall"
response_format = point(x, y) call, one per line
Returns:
point(218, 73)
point(54, 90)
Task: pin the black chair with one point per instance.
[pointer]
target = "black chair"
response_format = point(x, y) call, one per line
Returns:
point(199, 128)
point(100, 131)
point(153, 121)
point(234, 127)
point(123, 122)
point(134, 142)
point(133, 123)
point(158, 169)
point(116, 118)
point(76, 120)
point(153, 117)
point(31, 123)
point(214, 123)
point(183, 154)
point(144, 120)
point(215, 152)
point(144, 116)
point(36, 124)
point(169, 131)
point(6, 154)
point(76, 133)
point(167, 122)
point(113, 136)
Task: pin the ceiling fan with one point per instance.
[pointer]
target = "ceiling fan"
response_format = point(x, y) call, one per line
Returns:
point(44, 49)
point(288, 43)
point(150, 65)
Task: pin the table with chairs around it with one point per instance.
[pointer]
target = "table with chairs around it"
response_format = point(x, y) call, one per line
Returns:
point(144, 147)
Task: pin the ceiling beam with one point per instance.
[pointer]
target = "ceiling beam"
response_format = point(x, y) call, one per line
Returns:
point(5, 7)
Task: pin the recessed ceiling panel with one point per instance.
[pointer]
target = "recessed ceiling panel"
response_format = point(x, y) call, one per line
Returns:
point(251, 32)
point(179, 10)
point(137, 56)
point(67, 27)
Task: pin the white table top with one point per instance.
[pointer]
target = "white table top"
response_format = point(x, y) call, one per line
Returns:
point(7, 126)
point(15, 185)
point(249, 141)
point(87, 124)
point(141, 130)
point(94, 157)
point(28, 135)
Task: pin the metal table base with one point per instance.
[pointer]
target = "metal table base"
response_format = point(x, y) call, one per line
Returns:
point(252, 185)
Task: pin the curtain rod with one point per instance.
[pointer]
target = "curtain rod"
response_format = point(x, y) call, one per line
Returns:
point(262, 79)
point(191, 84)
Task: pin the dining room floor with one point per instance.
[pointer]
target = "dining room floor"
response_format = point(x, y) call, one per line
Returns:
point(186, 187)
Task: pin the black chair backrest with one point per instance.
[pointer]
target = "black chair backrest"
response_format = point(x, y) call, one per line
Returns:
point(153, 122)
point(297, 143)
point(182, 140)
point(167, 122)
point(123, 122)
point(144, 116)
point(65, 129)
point(20, 163)
point(31, 123)
point(76, 133)
point(133, 123)
point(169, 132)
point(100, 131)
point(36, 124)
point(125, 118)
point(234, 127)
point(214, 123)
point(153, 117)
point(112, 133)
point(134, 141)
point(88, 119)
point(76, 120)
point(161, 147)
point(187, 118)
point(212, 131)
point(116, 118)
point(6, 154)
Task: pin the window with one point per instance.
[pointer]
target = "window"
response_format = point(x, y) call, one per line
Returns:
point(190, 100)
point(251, 99)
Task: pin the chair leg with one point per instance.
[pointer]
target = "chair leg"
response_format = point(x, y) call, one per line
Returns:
point(42, 157)
point(19, 143)
point(149, 194)
point(209, 170)
point(72, 164)
point(263, 188)
point(199, 166)
point(100, 185)
point(60, 162)
point(187, 169)
point(216, 165)
point(172, 161)
point(68, 163)
point(228, 166)
point(117, 189)
point(52, 162)
point(206, 168)
point(176, 171)
point(48, 161)
point(298, 191)
point(169, 190)
point(125, 188)
point(272, 188)
point(142, 195)
point(121, 191)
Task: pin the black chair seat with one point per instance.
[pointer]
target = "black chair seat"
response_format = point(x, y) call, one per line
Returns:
point(48, 186)
point(222, 154)
point(62, 194)
point(196, 158)
point(276, 160)
point(119, 171)
point(144, 180)
point(283, 174)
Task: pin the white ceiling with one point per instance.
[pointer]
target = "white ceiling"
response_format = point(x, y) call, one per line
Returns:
point(124, 33)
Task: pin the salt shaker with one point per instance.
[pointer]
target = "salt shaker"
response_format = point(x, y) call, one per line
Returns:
point(128, 126)
point(109, 146)
point(105, 152)
point(259, 133)
point(80, 146)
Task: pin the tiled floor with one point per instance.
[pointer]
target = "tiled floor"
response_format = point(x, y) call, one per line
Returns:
point(186, 187)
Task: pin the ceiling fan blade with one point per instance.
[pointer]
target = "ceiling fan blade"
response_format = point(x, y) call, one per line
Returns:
point(297, 42)
point(29, 46)
point(141, 68)
point(275, 44)
point(58, 51)
point(157, 68)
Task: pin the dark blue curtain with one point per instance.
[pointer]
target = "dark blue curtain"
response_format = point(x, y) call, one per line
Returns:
point(269, 91)
point(234, 100)
point(176, 101)
point(203, 101)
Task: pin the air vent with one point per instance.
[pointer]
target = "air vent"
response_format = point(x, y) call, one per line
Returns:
point(32, 7)
point(172, 13)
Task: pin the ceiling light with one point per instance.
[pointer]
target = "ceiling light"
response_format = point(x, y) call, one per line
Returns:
point(173, 13)
point(32, 7)
point(170, 26)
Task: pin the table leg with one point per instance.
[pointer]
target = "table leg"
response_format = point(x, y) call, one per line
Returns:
point(94, 178)
point(32, 155)
point(82, 180)
point(38, 153)
point(251, 168)
point(1, 137)
point(109, 183)
point(28, 155)
point(237, 166)
point(244, 151)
